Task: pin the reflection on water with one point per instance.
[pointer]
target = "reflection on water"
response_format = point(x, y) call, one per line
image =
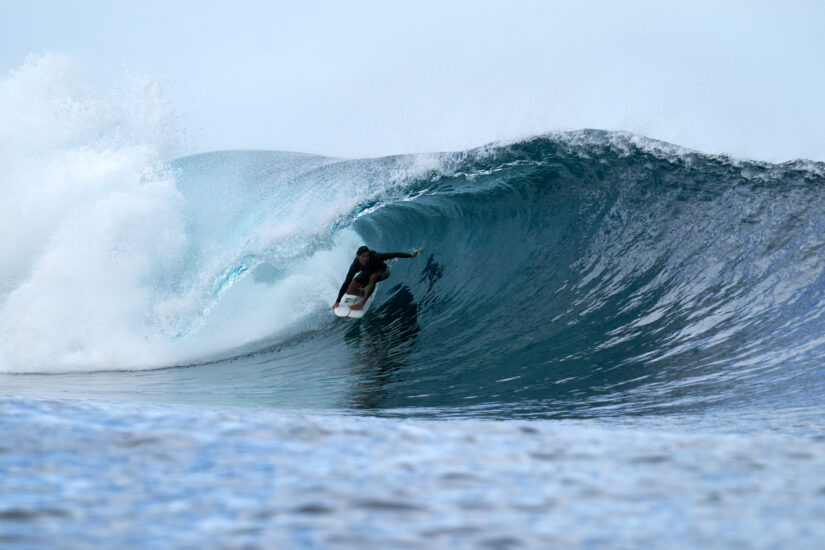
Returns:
point(380, 343)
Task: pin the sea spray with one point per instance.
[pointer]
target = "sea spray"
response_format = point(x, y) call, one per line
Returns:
point(90, 213)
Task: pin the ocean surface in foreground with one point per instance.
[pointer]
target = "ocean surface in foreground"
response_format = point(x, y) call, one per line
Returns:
point(91, 474)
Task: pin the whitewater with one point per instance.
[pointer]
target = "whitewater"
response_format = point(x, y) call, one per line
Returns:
point(607, 341)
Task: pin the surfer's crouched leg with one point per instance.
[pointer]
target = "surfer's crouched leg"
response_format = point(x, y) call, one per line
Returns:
point(374, 278)
point(358, 284)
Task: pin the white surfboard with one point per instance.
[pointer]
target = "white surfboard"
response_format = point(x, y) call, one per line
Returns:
point(343, 309)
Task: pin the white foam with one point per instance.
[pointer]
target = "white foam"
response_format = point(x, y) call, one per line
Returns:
point(252, 310)
point(95, 260)
point(88, 215)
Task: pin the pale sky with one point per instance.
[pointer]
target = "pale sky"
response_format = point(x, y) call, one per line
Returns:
point(371, 78)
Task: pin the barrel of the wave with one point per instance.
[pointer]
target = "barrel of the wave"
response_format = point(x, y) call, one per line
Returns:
point(367, 270)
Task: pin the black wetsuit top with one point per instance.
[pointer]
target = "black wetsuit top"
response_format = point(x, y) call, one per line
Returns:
point(375, 265)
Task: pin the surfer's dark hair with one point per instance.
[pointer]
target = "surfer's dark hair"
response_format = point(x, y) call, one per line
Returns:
point(361, 250)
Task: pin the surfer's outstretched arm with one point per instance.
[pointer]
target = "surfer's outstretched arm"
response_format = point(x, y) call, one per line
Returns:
point(392, 255)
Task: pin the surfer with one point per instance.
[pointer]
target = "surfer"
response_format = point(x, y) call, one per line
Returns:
point(367, 269)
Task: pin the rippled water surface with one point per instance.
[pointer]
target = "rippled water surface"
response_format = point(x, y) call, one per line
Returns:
point(93, 475)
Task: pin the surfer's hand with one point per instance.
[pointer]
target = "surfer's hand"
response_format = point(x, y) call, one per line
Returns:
point(334, 305)
point(357, 306)
point(414, 254)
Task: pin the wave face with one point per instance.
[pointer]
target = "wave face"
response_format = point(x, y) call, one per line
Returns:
point(611, 273)
point(585, 271)
point(578, 273)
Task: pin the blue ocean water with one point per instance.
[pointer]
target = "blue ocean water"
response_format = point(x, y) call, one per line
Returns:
point(607, 341)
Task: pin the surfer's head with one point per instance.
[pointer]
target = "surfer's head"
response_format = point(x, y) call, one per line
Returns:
point(363, 255)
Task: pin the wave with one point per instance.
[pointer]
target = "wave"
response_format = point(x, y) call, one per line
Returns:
point(610, 271)
point(589, 269)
